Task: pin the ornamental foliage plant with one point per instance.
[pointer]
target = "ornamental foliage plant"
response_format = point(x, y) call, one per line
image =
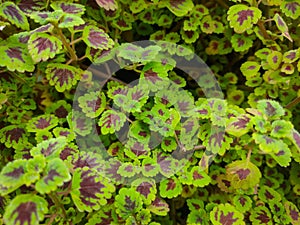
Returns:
point(106, 117)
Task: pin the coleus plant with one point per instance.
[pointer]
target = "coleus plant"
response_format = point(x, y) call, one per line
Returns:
point(171, 151)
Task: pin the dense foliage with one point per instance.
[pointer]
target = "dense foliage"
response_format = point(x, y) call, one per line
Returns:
point(98, 128)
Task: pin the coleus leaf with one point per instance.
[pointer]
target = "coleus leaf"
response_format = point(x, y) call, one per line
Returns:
point(26, 209)
point(170, 187)
point(19, 172)
point(242, 202)
point(243, 174)
point(281, 128)
point(198, 217)
point(102, 217)
point(239, 126)
point(241, 42)
point(149, 167)
point(294, 136)
point(139, 131)
point(180, 8)
point(226, 214)
point(199, 177)
point(92, 104)
point(250, 68)
point(127, 169)
point(63, 77)
point(128, 202)
point(159, 207)
point(147, 188)
point(42, 46)
point(291, 56)
point(13, 14)
point(111, 121)
point(70, 20)
point(79, 123)
point(45, 17)
point(13, 136)
point(49, 148)
point(242, 17)
point(261, 215)
point(268, 194)
point(166, 164)
point(29, 6)
point(67, 7)
point(96, 38)
point(281, 25)
point(56, 174)
point(270, 108)
point(43, 122)
point(108, 4)
point(14, 56)
point(274, 59)
point(291, 9)
point(292, 212)
point(90, 190)
point(136, 149)
point(287, 68)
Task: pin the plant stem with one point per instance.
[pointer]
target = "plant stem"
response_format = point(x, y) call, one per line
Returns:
point(58, 204)
point(173, 212)
point(75, 41)
point(199, 147)
point(66, 44)
point(263, 30)
point(293, 103)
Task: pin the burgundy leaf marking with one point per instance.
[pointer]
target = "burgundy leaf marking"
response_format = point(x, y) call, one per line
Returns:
point(50, 176)
point(67, 151)
point(129, 204)
point(97, 38)
point(43, 43)
point(152, 76)
point(137, 95)
point(263, 217)
point(294, 214)
point(15, 53)
point(243, 15)
point(30, 5)
point(42, 123)
point(269, 195)
point(86, 161)
point(70, 8)
point(14, 134)
point(228, 219)
point(242, 200)
point(243, 173)
point(144, 188)
point(89, 188)
point(138, 149)
point(112, 120)
point(48, 151)
point(13, 12)
point(24, 211)
point(197, 176)
point(62, 75)
point(296, 138)
point(292, 6)
point(16, 173)
point(171, 184)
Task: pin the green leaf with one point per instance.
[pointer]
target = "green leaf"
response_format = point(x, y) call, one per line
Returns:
point(109, 5)
point(63, 77)
point(111, 121)
point(15, 56)
point(180, 8)
point(198, 217)
point(261, 215)
point(42, 46)
point(92, 104)
point(250, 68)
point(241, 42)
point(242, 17)
point(79, 123)
point(43, 122)
point(242, 202)
point(291, 56)
point(147, 188)
point(127, 169)
point(243, 174)
point(274, 59)
point(170, 188)
point(159, 207)
point(90, 190)
point(26, 209)
point(70, 8)
point(13, 136)
point(49, 148)
point(96, 38)
point(268, 194)
point(291, 9)
point(199, 177)
point(128, 202)
point(281, 25)
point(11, 12)
point(238, 126)
point(226, 214)
point(270, 108)
point(292, 212)
point(281, 128)
point(70, 20)
point(56, 174)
